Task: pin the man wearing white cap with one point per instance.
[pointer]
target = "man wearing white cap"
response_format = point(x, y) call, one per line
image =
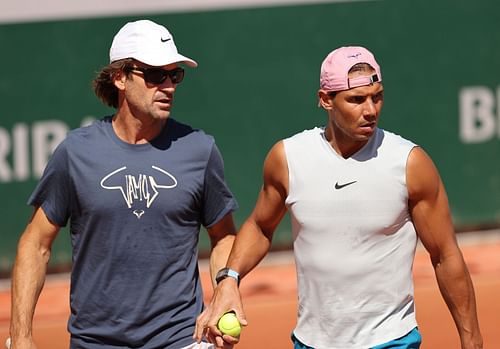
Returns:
point(359, 197)
point(135, 186)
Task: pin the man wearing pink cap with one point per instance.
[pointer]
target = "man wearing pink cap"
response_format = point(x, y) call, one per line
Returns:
point(359, 197)
point(136, 186)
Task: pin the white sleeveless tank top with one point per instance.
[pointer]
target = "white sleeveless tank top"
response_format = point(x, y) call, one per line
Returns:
point(354, 240)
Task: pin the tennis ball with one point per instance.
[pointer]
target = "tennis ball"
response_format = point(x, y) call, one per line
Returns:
point(229, 324)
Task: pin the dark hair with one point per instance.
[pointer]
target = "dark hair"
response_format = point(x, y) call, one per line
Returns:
point(361, 67)
point(103, 84)
point(358, 67)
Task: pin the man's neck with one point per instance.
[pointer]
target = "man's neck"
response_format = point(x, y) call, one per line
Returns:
point(343, 145)
point(136, 131)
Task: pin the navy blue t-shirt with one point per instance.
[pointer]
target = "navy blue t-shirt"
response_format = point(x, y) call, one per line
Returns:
point(135, 213)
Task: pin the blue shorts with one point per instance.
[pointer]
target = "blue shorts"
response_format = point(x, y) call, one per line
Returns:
point(411, 340)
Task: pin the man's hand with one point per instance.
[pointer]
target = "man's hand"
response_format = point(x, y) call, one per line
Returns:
point(226, 298)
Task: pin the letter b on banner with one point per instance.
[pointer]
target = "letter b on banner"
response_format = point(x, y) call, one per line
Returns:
point(478, 120)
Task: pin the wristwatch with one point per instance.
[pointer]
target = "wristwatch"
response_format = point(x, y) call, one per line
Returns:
point(227, 272)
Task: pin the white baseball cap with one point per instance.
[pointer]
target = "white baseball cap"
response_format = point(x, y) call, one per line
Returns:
point(147, 42)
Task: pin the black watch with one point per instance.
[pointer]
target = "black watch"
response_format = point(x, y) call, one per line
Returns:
point(227, 272)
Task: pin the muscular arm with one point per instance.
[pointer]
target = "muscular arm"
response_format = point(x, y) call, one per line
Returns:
point(250, 246)
point(221, 239)
point(28, 276)
point(431, 215)
point(254, 239)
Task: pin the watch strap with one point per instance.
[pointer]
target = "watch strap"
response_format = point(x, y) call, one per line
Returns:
point(227, 272)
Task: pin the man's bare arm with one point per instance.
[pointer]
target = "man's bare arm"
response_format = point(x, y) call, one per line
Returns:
point(431, 215)
point(28, 276)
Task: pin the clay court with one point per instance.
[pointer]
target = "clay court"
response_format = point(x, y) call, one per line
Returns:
point(269, 292)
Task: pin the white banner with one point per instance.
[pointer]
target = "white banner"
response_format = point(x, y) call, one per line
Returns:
point(32, 10)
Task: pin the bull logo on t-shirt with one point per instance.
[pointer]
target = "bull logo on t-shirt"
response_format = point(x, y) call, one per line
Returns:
point(139, 188)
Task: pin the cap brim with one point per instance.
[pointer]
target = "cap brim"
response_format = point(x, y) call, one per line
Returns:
point(188, 61)
point(178, 58)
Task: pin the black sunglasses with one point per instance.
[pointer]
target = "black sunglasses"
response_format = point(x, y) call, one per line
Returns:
point(157, 75)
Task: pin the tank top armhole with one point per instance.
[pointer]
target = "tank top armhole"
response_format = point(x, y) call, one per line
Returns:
point(290, 175)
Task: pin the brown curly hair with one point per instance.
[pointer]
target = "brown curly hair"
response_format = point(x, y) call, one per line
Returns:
point(103, 85)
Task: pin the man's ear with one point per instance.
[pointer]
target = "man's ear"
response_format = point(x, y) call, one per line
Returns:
point(119, 80)
point(325, 100)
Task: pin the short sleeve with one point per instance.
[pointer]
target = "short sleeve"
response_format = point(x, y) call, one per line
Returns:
point(218, 200)
point(52, 192)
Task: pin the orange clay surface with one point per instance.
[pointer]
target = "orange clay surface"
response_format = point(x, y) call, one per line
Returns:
point(269, 296)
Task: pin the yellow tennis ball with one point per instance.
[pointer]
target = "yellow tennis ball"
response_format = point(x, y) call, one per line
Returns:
point(229, 324)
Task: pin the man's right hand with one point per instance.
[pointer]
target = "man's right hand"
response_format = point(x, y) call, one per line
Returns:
point(226, 298)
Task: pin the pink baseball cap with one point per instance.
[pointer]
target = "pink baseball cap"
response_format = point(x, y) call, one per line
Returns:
point(147, 42)
point(335, 69)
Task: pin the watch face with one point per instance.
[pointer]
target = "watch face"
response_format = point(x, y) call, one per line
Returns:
point(225, 272)
point(221, 275)
point(222, 272)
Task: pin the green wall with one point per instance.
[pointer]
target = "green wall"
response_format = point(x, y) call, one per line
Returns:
point(256, 84)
